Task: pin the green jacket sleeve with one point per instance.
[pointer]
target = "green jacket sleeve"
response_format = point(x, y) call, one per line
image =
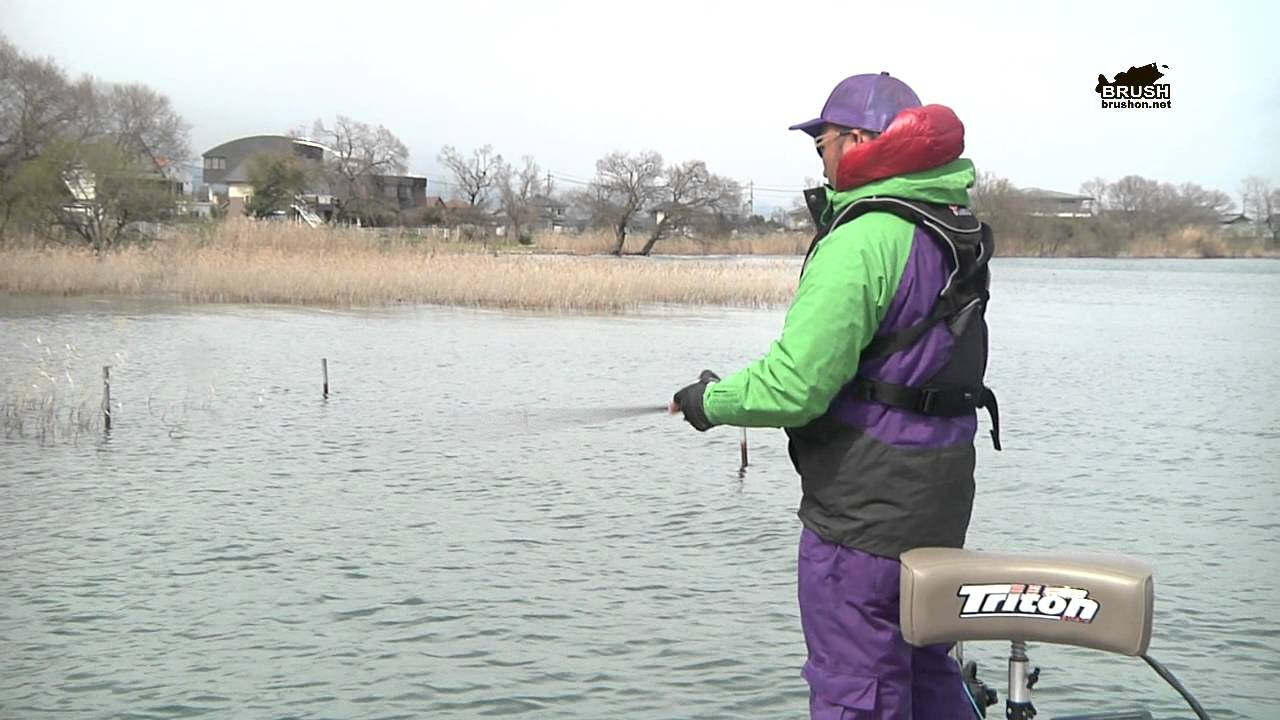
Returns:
point(842, 297)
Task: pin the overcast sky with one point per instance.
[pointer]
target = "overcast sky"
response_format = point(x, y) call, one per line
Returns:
point(568, 82)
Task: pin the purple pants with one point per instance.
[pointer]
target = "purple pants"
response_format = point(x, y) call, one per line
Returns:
point(859, 667)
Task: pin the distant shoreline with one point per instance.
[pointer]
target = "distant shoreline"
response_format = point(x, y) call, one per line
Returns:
point(285, 264)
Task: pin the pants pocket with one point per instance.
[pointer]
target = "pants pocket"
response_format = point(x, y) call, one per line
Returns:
point(840, 696)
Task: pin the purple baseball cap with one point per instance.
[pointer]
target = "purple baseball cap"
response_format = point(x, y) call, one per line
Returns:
point(867, 102)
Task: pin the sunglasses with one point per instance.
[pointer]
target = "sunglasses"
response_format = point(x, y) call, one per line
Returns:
point(822, 141)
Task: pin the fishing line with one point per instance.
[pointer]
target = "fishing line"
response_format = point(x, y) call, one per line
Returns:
point(544, 418)
point(590, 416)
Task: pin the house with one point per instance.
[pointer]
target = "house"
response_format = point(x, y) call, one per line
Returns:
point(227, 166)
point(81, 182)
point(798, 219)
point(178, 177)
point(405, 192)
point(1236, 224)
point(1052, 203)
point(439, 203)
point(553, 214)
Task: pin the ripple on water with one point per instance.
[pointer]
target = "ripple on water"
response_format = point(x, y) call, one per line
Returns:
point(411, 549)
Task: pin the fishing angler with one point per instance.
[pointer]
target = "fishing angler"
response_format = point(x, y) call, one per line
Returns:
point(877, 378)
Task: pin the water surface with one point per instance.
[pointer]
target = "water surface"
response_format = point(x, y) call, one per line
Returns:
point(464, 529)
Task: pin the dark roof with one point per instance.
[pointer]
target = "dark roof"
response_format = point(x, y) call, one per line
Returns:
point(1042, 194)
point(239, 152)
point(403, 179)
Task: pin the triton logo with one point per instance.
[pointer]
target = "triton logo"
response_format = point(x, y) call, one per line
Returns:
point(1029, 601)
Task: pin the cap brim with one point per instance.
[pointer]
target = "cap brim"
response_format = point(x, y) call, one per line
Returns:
point(813, 127)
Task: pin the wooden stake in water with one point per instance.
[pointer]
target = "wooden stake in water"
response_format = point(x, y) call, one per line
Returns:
point(106, 397)
point(742, 445)
point(324, 368)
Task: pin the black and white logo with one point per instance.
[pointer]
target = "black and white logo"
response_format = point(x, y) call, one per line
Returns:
point(1137, 88)
point(1027, 601)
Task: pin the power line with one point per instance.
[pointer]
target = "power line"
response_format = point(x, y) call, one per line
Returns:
point(571, 181)
point(757, 188)
point(769, 191)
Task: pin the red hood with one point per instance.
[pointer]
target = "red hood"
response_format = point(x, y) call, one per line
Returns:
point(918, 139)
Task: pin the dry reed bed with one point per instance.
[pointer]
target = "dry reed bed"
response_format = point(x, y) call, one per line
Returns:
point(251, 263)
point(778, 243)
point(1184, 243)
point(244, 261)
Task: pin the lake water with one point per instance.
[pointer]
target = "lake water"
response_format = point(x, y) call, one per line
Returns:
point(461, 529)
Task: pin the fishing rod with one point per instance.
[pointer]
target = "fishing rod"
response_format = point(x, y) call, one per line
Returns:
point(595, 416)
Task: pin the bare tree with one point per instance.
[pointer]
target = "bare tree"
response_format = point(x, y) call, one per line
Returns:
point(998, 202)
point(518, 194)
point(82, 154)
point(1262, 203)
point(689, 192)
point(35, 107)
point(94, 190)
point(360, 153)
point(993, 196)
point(1009, 212)
point(1096, 189)
point(1135, 199)
point(1192, 204)
point(38, 107)
point(1272, 221)
point(1132, 194)
point(625, 185)
point(475, 175)
point(144, 123)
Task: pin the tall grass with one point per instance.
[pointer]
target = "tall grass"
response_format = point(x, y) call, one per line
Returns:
point(244, 261)
point(47, 420)
point(1197, 242)
point(777, 243)
point(1097, 240)
point(52, 400)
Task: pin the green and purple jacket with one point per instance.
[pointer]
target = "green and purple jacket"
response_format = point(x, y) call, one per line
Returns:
point(876, 478)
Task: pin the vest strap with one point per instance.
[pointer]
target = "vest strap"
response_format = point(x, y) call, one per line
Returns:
point(932, 400)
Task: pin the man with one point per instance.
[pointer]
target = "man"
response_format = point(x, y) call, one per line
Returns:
point(876, 377)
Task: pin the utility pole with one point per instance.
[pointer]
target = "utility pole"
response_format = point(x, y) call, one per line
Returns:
point(548, 183)
point(751, 199)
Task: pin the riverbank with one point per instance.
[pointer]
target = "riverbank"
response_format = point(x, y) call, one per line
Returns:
point(246, 262)
point(260, 263)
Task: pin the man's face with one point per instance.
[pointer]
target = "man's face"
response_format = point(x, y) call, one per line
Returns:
point(832, 143)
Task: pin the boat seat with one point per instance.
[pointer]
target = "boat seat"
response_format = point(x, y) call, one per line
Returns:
point(1102, 602)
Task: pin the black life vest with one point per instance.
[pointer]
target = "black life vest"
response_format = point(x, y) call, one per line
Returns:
point(970, 245)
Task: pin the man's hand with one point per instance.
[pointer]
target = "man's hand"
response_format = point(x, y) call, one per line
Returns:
point(689, 401)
